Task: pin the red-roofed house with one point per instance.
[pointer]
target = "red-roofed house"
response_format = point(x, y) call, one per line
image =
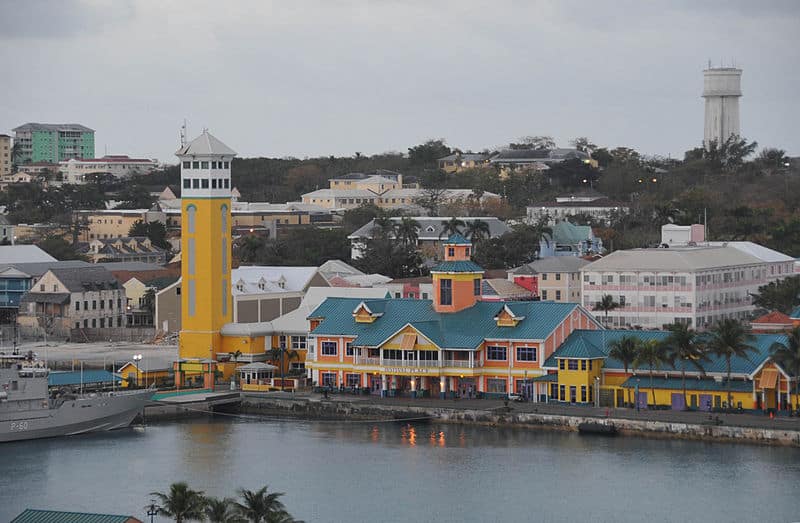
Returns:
point(772, 322)
point(119, 166)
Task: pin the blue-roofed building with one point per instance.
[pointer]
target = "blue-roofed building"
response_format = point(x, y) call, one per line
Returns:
point(456, 343)
point(583, 372)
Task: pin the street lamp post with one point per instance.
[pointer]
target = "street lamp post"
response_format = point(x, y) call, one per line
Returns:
point(136, 359)
point(152, 510)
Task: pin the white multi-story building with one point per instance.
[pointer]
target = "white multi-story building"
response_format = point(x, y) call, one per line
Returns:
point(693, 285)
point(118, 166)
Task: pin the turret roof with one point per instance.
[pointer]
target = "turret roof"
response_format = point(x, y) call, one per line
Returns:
point(205, 145)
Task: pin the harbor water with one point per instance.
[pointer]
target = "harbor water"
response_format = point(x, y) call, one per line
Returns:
point(387, 472)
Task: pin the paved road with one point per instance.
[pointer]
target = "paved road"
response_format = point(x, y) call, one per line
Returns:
point(732, 419)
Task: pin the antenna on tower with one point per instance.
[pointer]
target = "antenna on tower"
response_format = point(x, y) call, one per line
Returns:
point(183, 133)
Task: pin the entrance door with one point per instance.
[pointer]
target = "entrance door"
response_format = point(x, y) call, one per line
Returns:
point(677, 401)
point(641, 401)
point(705, 402)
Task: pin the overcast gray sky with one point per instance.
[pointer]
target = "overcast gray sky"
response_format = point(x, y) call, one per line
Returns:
point(305, 78)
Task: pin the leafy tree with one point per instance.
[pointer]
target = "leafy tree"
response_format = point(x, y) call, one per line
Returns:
point(583, 144)
point(59, 248)
point(625, 155)
point(782, 295)
point(181, 503)
point(249, 248)
point(788, 357)
point(279, 355)
point(606, 304)
point(407, 231)
point(428, 152)
point(729, 339)
point(431, 199)
point(156, 232)
point(451, 227)
point(538, 143)
point(135, 197)
point(625, 350)
point(222, 511)
point(385, 256)
point(728, 155)
point(651, 354)
point(357, 217)
point(260, 506)
point(772, 160)
point(684, 346)
point(478, 230)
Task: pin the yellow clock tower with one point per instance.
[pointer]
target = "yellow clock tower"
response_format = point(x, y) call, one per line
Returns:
point(205, 245)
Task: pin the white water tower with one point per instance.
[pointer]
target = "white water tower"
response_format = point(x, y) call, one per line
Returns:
point(722, 88)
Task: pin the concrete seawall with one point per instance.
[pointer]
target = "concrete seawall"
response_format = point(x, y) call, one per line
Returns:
point(346, 410)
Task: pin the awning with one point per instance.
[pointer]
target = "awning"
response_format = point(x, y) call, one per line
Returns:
point(409, 340)
point(769, 378)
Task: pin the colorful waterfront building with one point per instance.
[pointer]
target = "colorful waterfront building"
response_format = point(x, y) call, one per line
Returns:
point(454, 344)
point(582, 372)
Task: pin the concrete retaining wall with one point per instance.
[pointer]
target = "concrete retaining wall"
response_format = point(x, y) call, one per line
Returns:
point(507, 417)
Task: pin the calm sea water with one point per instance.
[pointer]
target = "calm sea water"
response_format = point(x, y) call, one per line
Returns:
point(354, 472)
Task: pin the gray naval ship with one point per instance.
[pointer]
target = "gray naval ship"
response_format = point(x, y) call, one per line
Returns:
point(29, 411)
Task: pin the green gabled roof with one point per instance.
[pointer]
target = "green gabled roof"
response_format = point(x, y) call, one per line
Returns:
point(465, 329)
point(581, 348)
point(548, 378)
point(704, 384)
point(457, 239)
point(795, 314)
point(56, 516)
point(602, 339)
point(458, 266)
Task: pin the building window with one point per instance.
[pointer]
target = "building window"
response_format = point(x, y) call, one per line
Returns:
point(583, 393)
point(445, 292)
point(226, 165)
point(451, 251)
point(544, 277)
point(328, 379)
point(572, 365)
point(353, 380)
point(77, 305)
point(590, 364)
point(348, 349)
point(583, 364)
point(204, 183)
point(195, 183)
point(558, 295)
point(544, 294)
point(298, 342)
point(227, 181)
point(187, 183)
point(192, 296)
point(94, 323)
point(195, 165)
point(526, 353)
point(424, 295)
point(495, 353)
point(85, 305)
point(94, 305)
point(476, 286)
point(558, 276)
point(562, 393)
point(496, 385)
point(560, 364)
point(213, 183)
point(191, 212)
point(187, 165)
point(328, 348)
point(225, 291)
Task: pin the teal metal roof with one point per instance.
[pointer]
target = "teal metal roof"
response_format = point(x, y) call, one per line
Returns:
point(566, 232)
point(465, 329)
point(691, 384)
point(602, 339)
point(67, 378)
point(56, 516)
point(581, 348)
point(548, 378)
point(457, 239)
point(795, 314)
point(458, 266)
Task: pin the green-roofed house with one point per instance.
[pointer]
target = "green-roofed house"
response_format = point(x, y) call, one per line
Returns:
point(455, 343)
point(583, 372)
point(58, 516)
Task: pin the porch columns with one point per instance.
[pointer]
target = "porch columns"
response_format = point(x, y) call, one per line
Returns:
point(471, 359)
point(423, 383)
point(384, 387)
point(442, 387)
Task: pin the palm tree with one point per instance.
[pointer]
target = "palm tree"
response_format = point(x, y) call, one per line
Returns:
point(235, 355)
point(651, 354)
point(683, 345)
point(606, 304)
point(451, 227)
point(259, 506)
point(788, 357)
point(407, 231)
point(625, 349)
point(181, 503)
point(222, 511)
point(478, 230)
point(277, 354)
point(729, 339)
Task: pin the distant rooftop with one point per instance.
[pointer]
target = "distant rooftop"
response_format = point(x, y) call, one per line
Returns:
point(11, 254)
point(33, 126)
point(204, 145)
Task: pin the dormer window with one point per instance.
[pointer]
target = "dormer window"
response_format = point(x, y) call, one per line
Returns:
point(430, 228)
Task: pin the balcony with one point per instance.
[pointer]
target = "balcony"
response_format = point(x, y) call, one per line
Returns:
point(418, 364)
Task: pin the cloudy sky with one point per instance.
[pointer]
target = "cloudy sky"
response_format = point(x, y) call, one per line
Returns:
point(307, 78)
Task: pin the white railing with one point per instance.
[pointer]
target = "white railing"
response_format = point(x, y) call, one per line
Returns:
point(363, 360)
point(459, 363)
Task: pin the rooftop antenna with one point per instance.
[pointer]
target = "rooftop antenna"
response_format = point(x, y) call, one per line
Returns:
point(183, 133)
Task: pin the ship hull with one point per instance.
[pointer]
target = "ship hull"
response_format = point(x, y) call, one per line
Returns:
point(78, 416)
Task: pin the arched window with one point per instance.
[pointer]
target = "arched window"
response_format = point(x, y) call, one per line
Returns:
point(191, 212)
